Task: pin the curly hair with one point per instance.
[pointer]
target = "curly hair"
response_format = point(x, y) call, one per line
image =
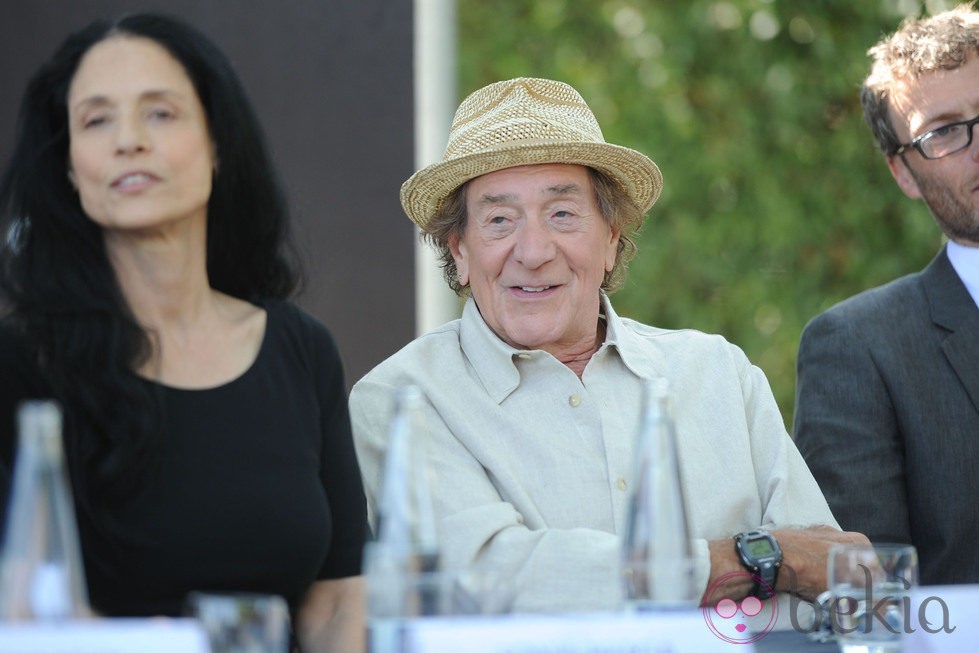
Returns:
point(59, 288)
point(618, 209)
point(944, 41)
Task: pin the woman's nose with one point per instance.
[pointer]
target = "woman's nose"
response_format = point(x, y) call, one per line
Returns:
point(131, 136)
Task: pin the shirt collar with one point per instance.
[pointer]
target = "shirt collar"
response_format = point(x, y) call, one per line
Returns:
point(965, 262)
point(493, 360)
point(632, 349)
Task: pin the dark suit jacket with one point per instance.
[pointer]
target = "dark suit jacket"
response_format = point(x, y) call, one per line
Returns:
point(887, 417)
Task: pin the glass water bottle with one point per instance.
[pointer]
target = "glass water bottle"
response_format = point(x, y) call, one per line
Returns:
point(41, 573)
point(657, 557)
point(401, 563)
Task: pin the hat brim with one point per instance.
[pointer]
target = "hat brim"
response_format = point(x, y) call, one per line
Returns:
point(423, 193)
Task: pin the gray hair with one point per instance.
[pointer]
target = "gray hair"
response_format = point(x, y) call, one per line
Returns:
point(618, 209)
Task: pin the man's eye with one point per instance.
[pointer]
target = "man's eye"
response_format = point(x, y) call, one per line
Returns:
point(564, 217)
point(946, 131)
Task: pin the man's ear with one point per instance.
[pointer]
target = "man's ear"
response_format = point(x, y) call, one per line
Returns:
point(461, 257)
point(902, 175)
point(612, 249)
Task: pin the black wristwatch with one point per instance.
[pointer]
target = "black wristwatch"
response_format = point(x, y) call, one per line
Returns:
point(761, 555)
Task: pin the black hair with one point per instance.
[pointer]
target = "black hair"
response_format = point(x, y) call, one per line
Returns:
point(59, 288)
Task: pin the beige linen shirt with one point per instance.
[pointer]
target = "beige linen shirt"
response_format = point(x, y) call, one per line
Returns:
point(532, 466)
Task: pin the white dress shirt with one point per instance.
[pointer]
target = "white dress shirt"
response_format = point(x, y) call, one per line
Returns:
point(533, 466)
point(965, 262)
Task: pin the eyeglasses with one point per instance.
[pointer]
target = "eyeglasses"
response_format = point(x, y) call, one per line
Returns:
point(947, 139)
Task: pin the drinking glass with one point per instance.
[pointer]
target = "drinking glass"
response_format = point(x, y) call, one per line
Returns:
point(242, 622)
point(870, 586)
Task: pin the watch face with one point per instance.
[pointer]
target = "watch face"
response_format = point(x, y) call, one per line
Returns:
point(760, 548)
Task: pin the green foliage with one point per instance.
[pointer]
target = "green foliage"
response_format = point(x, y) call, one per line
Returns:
point(777, 203)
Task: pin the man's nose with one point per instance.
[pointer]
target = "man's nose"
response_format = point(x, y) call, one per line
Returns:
point(535, 245)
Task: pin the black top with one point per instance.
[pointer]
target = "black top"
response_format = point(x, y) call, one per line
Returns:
point(258, 491)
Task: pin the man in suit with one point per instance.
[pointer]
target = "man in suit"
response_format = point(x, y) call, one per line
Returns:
point(887, 402)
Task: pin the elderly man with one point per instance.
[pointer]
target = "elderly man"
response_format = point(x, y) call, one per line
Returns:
point(534, 394)
point(887, 411)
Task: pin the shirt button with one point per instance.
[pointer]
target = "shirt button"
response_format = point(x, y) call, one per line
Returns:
point(621, 484)
point(523, 356)
point(574, 400)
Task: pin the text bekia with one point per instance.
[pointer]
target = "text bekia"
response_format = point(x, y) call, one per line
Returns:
point(857, 613)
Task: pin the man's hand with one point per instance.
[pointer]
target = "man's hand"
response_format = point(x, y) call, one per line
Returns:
point(804, 555)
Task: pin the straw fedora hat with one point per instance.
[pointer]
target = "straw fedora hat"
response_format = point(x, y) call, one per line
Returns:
point(525, 121)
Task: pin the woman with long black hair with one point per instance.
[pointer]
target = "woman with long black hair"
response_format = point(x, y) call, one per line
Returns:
point(145, 272)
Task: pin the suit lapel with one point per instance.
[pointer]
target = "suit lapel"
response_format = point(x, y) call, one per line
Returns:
point(952, 309)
